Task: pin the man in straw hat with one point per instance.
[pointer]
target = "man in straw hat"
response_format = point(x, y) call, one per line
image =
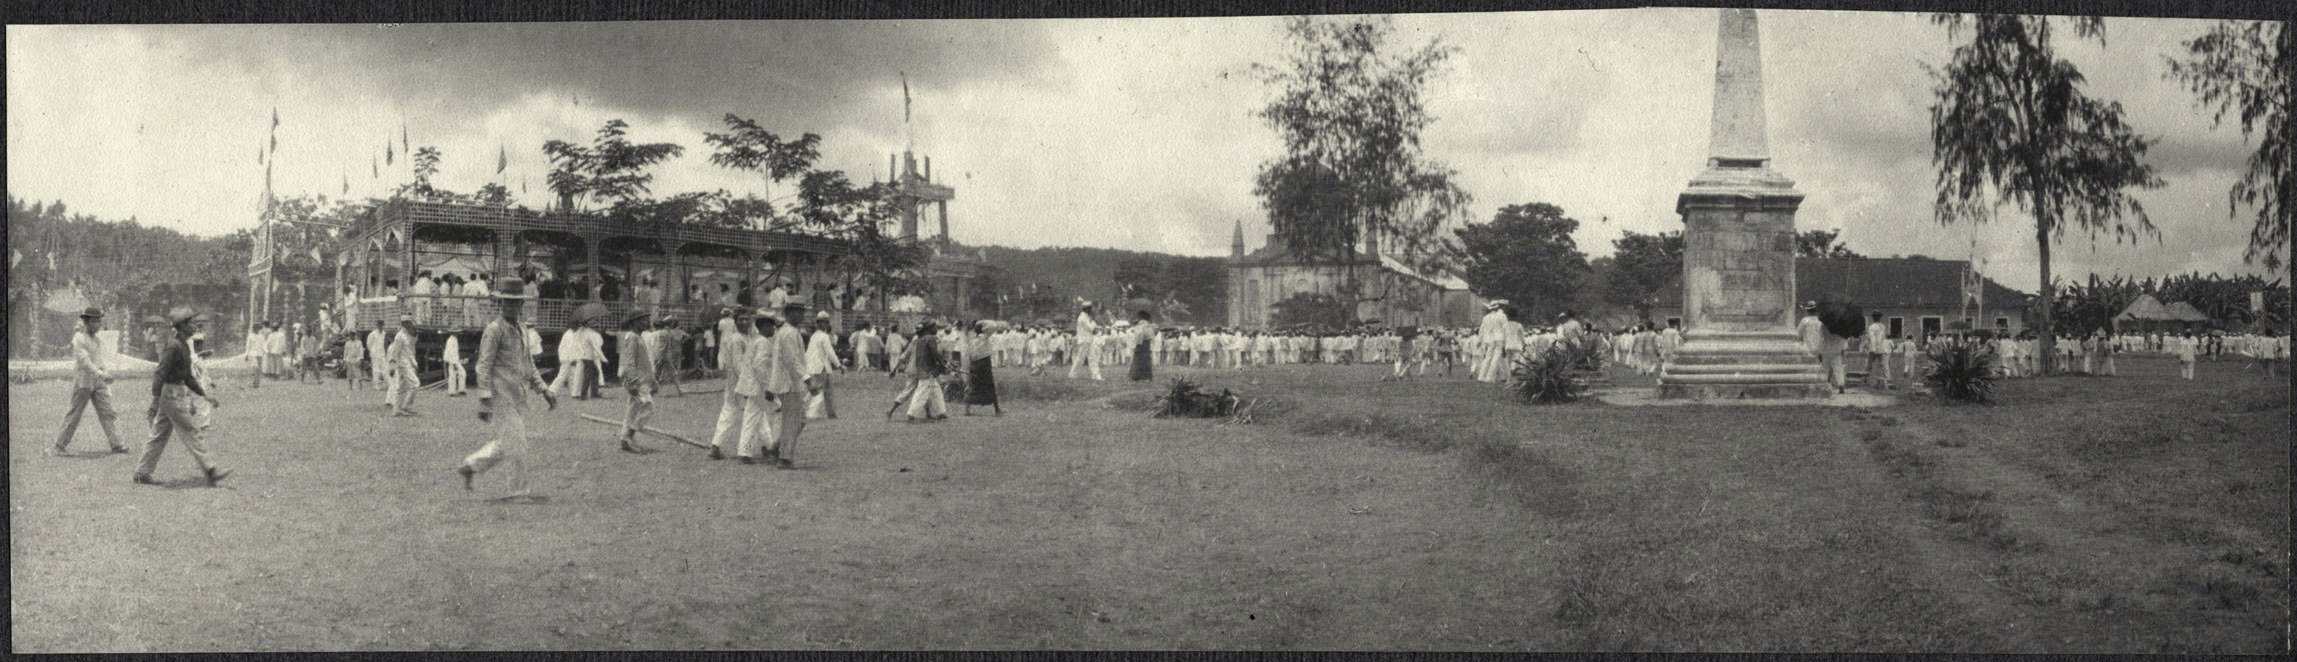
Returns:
point(505, 374)
point(402, 371)
point(634, 363)
point(173, 409)
point(91, 382)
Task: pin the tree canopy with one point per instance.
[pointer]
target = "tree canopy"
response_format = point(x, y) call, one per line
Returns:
point(1349, 107)
point(2011, 125)
point(2246, 66)
point(611, 169)
point(1527, 256)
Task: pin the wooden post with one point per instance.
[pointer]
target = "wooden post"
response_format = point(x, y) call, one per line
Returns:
point(597, 278)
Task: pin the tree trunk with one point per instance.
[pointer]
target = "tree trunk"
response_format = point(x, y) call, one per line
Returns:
point(2048, 345)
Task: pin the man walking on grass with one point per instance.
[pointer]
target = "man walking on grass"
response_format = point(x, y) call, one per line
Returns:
point(635, 365)
point(734, 332)
point(403, 380)
point(759, 415)
point(505, 374)
point(91, 383)
point(175, 394)
point(786, 378)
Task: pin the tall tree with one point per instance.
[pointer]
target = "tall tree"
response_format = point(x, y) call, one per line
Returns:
point(748, 146)
point(2248, 65)
point(1641, 265)
point(426, 165)
point(1525, 255)
point(2010, 124)
point(1821, 244)
point(612, 168)
point(1349, 108)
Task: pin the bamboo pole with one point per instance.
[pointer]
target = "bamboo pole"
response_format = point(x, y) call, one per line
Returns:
point(647, 430)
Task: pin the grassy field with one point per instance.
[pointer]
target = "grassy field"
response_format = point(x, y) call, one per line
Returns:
point(2134, 514)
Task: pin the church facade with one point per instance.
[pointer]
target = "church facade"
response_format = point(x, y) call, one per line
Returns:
point(1397, 294)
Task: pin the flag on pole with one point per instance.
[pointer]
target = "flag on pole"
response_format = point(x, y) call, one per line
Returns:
point(404, 145)
point(501, 159)
point(346, 184)
point(389, 157)
point(905, 97)
point(374, 171)
point(259, 155)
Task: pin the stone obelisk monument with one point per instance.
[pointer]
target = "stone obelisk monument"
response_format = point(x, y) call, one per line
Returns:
point(1739, 250)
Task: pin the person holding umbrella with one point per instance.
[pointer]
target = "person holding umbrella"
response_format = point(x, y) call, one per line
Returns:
point(505, 374)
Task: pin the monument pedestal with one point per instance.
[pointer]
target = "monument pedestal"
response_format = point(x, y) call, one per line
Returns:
point(1738, 292)
point(1739, 340)
point(1744, 366)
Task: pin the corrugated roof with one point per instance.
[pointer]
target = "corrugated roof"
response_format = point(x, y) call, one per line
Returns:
point(1878, 283)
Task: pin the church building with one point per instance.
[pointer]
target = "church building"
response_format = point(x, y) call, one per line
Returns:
point(1396, 293)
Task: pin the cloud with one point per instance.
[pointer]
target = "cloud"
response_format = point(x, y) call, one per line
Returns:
point(1129, 133)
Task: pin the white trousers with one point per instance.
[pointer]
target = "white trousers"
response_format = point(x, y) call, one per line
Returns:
point(926, 399)
point(758, 416)
point(509, 444)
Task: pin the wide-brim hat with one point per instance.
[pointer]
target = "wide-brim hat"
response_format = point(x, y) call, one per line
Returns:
point(403, 317)
point(183, 314)
point(511, 287)
point(635, 316)
point(1810, 305)
point(92, 312)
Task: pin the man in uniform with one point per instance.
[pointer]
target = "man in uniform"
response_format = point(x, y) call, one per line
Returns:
point(1087, 345)
point(1820, 342)
point(1878, 353)
point(786, 379)
point(505, 374)
point(821, 362)
point(172, 411)
point(401, 359)
point(635, 365)
point(1491, 335)
point(376, 363)
point(734, 331)
point(91, 382)
point(453, 356)
point(758, 404)
point(868, 350)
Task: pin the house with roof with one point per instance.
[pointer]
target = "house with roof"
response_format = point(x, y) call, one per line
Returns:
point(1397, 294)
point(1912, 294)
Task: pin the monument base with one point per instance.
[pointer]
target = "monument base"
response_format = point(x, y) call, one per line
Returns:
point(1744, 366)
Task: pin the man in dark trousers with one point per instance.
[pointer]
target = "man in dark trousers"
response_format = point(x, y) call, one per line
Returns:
point(172, 410)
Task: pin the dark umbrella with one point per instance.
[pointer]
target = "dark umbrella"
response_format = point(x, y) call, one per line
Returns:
point(1844, 320)
point(1138, 304)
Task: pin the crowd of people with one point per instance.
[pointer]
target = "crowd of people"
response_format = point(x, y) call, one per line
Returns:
point(781, 364)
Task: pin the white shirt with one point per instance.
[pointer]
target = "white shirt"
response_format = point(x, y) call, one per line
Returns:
point(454, 351)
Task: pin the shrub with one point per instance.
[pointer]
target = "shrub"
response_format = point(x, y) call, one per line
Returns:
point(1547, 378)
point(1961, 369)
point(1185, 398)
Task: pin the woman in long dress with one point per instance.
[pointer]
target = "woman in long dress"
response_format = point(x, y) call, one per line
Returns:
point(1144, 333)
point(982, 375)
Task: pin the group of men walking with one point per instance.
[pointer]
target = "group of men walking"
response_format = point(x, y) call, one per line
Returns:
point(179, 389)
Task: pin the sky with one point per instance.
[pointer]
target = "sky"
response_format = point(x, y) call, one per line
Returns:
point(1133, 133)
